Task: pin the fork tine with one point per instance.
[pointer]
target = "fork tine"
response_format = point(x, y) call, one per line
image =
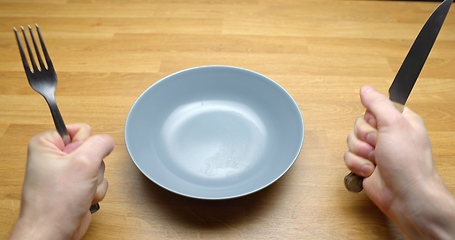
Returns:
point(21, 50)
point(43, 47)
point(38, 55)
point(32, 59)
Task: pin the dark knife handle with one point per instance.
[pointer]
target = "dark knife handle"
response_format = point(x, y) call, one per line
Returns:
point(353, 182)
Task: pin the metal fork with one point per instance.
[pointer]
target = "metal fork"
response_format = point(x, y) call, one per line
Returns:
point(43, 79)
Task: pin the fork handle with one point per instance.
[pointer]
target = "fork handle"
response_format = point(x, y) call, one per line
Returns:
point(58, 121)
point(95, 207)
point(353, 182)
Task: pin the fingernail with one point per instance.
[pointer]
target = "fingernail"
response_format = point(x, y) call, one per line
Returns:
point(371, 138)
point(367, 89)
point(372, 122)
point(366, 170)
point(371, 156)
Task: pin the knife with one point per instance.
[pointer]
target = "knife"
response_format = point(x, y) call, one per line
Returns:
point(409, 71)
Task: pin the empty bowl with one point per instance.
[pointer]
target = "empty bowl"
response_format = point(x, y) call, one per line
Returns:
point(214, 132)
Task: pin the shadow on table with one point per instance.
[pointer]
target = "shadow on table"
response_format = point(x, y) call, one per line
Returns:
point(365, 216)
point(212, 214)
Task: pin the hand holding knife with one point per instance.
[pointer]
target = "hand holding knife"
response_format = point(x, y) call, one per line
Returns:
point(409, 71)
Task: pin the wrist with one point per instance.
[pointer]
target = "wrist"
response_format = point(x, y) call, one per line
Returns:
point(428, 212)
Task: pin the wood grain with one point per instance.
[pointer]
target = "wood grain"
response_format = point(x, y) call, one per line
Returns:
point(107, 52)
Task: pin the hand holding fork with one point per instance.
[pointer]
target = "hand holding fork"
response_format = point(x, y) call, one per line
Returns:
point(43, 79)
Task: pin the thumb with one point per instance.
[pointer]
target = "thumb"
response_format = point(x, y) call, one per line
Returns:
point(94, 149)
point(383, 110)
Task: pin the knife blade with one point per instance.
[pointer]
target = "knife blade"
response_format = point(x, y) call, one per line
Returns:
point(410, 69)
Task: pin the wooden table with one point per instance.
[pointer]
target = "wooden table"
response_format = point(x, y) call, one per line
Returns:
point(107, 52)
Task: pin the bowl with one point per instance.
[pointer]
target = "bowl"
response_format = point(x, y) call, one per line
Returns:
point(214, 132)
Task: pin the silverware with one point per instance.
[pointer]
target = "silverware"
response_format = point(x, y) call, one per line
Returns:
point(409, 72)
point(43, 79)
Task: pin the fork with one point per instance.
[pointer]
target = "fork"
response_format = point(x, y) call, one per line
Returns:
point(43, 79)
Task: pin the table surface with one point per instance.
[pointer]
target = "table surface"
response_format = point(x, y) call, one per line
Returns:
point(107, 52)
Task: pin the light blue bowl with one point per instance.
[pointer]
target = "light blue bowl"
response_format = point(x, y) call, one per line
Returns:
point(214, 132)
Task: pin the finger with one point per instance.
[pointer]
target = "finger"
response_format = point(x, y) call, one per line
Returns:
point(48, 139)
point(364, 131)
point(79, 133)
point(94, 149)
point(101, 170)
point(360, 148)
point(102, 185)
point(101, 191)
point(358, 165)
point(370, 119)
point(51, 138)
point(379, 105)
